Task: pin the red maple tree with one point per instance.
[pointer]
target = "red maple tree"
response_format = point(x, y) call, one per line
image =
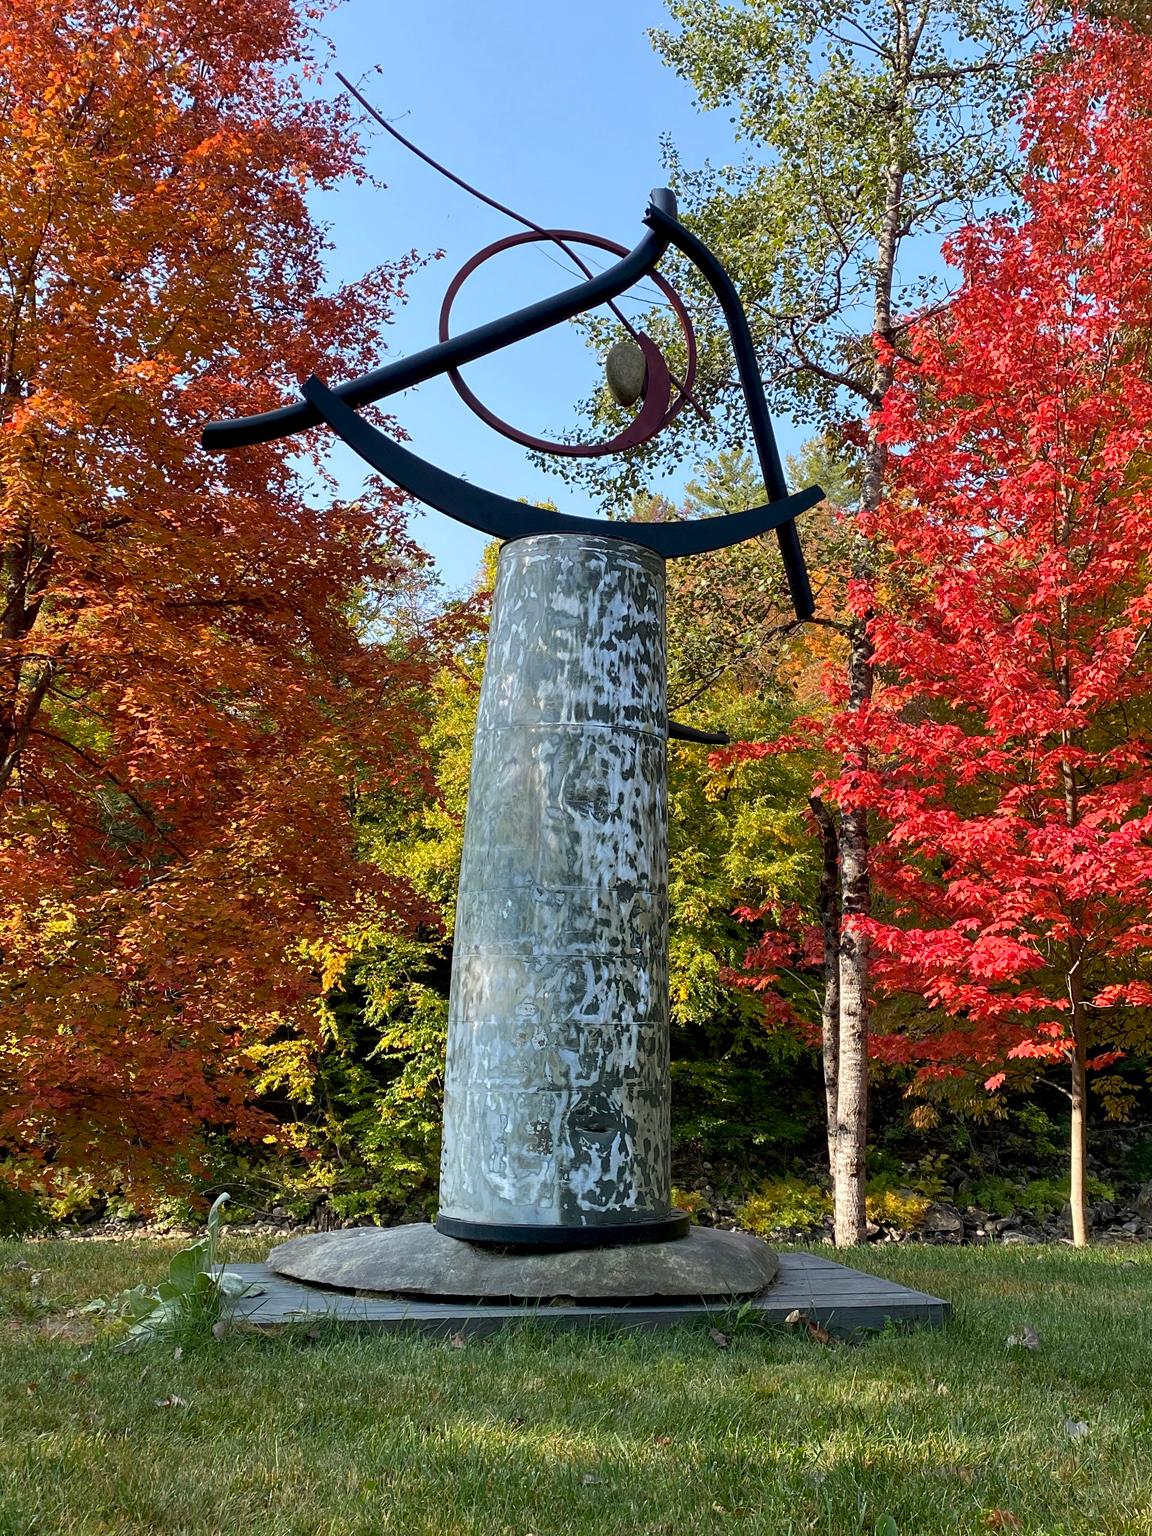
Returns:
point(1011, 744)
point(187, 703)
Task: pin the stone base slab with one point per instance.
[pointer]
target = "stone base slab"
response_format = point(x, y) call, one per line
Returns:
point(843, 1300)
point(419, 1261)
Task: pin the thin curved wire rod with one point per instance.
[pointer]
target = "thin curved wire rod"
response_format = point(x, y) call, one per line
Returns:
point(510, 213)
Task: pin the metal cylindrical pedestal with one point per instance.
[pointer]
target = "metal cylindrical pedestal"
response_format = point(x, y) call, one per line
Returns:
point(556, 1116)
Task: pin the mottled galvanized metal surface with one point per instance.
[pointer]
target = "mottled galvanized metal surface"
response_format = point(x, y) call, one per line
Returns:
point(557, 1092)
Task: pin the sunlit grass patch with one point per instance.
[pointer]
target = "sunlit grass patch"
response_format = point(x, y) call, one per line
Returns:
point(560, 1434)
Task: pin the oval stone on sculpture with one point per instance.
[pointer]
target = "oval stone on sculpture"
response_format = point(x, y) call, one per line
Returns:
point(417, 1260)
point(627, 372)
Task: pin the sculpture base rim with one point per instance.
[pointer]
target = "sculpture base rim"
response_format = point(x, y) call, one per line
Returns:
point(417, 1261)
point(660, 1229)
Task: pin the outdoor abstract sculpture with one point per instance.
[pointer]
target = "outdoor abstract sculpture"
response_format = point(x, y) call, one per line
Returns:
point(556, 1119)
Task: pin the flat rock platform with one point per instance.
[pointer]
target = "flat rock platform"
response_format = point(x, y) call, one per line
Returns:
point(415, 1260)
point(840, 1299)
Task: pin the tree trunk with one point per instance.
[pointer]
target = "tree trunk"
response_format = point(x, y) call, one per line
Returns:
point(830, 928)
point(1078, 1093)
point(852, 1084)
point(1077, 1192)
point(1078, 1022)
point(849, 1172)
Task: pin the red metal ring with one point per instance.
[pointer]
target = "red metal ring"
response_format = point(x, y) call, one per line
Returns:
point(658, 408)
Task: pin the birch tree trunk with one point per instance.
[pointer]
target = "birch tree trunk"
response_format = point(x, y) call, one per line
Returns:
point(851, 1123)
point(1078, 1139)
point(829, 900)
point(1078, 1047)
point(849, 1176)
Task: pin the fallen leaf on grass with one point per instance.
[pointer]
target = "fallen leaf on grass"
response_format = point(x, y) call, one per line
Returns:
point(1076, 1429)
point(663, 1440)
point(1027, 1338)
point(798, 1319)
point(719, 1339)
point(1002, 1520)
point(456, 1341)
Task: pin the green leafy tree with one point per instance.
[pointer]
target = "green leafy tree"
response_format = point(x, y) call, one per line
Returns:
point(870, 130)
point(360, 1108)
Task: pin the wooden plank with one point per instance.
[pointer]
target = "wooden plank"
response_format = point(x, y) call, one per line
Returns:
point(841, 1299)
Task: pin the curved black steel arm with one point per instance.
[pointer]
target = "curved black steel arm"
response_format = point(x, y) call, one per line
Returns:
point(507, 519)
point(466, 348)
point(662, 218)
point(678, 732)
point(503, 518)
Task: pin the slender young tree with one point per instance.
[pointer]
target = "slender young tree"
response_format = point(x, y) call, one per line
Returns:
point(1012, 744)
point(870, 126)
point(184, 691)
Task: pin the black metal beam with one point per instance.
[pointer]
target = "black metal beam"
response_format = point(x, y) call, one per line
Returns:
point(466, 348)
point(662, 219)
point(502, 518)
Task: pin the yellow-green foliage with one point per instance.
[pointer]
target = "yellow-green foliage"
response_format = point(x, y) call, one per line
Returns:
point(902, 1208)
point(1045, 1197)
point(789, 1202)
point(899, 1195)
point(364, 1134)
point(690, 1200)
point(784, 1203)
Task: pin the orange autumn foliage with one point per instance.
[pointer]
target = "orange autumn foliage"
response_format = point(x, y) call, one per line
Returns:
point(186, 707)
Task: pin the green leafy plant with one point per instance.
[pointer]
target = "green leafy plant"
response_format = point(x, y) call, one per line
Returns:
point(21, 1213)
point(1044, 1197)
point(186, 1305)
point(993, 1193)
point(900, 1194)
point(1138, 1163)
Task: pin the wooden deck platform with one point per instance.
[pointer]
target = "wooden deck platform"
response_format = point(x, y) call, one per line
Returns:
point(840, 1299)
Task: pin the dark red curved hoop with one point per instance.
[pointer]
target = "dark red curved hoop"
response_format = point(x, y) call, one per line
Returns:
point(658, 409)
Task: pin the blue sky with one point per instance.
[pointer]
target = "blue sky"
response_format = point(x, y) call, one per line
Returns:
point(554, 108)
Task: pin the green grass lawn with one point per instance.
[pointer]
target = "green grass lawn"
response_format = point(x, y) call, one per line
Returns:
point(558, 1434)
